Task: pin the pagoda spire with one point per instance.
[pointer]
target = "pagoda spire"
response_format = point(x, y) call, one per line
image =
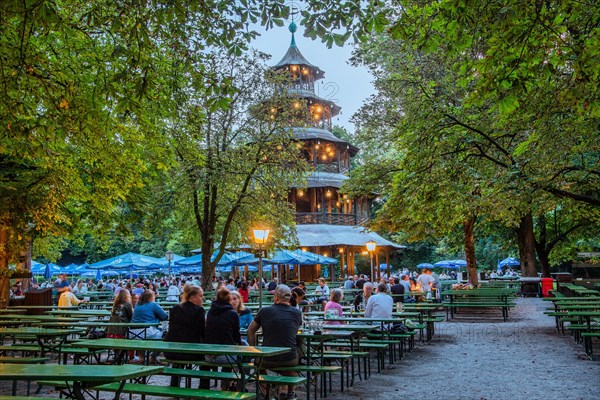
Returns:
point(293, 28)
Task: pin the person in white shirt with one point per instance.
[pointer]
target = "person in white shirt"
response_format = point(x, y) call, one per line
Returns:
point(323, 292)
point(425, 280)
point(380, 305)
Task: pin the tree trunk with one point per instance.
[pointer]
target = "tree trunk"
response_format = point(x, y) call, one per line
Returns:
point(4, 281)
point(208, 268)
point(469, 227)
point(541, 246)
point(526, 240)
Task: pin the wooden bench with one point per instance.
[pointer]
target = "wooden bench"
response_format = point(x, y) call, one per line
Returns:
point(324, 371)
point(269, 380)
point(587, 340)
point(341, 356)
point(22, 360)
point(161, 391)
point(478, 302)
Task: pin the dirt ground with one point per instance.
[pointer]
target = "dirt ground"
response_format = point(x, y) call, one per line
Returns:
point(477, 358)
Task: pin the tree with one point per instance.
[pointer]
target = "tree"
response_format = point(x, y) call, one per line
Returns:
point(516, 79)
point(234, 158)
point(79, 91)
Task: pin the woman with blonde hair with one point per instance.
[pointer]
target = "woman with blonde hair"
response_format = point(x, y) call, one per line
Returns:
point(237, 302)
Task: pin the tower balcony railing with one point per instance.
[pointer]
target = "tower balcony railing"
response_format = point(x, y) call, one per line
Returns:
point(302, 86)
point(303, 218)
point(334, 168)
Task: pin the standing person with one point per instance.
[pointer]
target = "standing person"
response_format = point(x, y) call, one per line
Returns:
point(425, 280)
point(333, 306)
point(380, 305)
point(186, 325)
point(280, 323)
point(223, 327)
point(62, 284)
point(237, 302)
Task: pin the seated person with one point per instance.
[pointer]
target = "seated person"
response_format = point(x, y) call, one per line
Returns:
point(380, 305)
point(186, 325)
point(360, 301)
point(223, 327)
point(333, 308)
point(280, 323)
point(68, 299)
point(322, 291)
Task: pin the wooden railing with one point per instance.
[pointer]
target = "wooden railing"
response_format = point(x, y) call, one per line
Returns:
point(304, 218)
point(332, 167)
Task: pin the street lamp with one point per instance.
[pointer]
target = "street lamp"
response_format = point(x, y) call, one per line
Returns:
point(260, 238)
point(169, 256)
point(371, 245)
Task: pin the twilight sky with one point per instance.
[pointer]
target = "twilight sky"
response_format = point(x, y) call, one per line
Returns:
point(348, 86)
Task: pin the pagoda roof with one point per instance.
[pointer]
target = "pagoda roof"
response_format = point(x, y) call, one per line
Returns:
point(310, 94)
point(322, 235)
point(295, 57)
point(322, 134)
point(325, 179)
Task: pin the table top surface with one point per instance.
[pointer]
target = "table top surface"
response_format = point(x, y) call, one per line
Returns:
point(40, 318)
point(39, 331)
point(350, 327)
point(87, 373)
point(93, 313)
point(176, 347)
point(362, 319)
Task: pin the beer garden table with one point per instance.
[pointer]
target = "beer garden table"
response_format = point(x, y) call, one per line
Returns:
point(77, 377)
point(48, 339)
point(239, 352)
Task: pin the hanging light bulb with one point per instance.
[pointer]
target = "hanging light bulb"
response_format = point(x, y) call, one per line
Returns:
point(300, 193)
point(328, 193)
point(324, 157)
point(297, 105)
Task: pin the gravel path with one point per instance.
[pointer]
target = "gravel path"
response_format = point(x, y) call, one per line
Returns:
point(481, 359)
point(523, 358)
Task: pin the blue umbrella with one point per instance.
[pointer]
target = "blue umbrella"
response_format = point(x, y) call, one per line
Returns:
point(443, 264)
point(510, 262)
point(129, 261)
point(98, 275)
point(47, 272)
point(458, 263)
point(384, 266)
point(425, 265)
point(196, 261)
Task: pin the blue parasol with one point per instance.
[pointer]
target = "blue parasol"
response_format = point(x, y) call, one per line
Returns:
point(47, 272)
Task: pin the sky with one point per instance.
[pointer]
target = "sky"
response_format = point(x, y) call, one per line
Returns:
point(348, 86)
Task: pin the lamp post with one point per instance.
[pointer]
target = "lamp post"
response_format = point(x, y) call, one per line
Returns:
point(371, 245)
point(260, 238)
point(169, 256)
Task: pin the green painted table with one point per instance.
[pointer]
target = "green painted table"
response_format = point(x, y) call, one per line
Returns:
point(81, 313)
point(239, 352)
point(48, 339)
point(81, 376)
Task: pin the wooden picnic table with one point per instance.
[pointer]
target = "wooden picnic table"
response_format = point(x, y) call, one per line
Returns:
point(76, 377)
point(9, 317)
